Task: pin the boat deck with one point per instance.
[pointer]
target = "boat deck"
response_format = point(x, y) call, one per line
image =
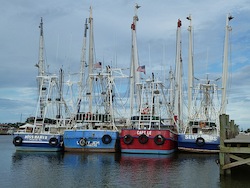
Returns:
point(239, 139)
point(234, 147)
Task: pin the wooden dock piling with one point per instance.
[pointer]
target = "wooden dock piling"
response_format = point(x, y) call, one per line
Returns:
point(234, 147)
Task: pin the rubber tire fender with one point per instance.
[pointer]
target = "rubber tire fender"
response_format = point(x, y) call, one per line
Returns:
point(159, 139)
point(143, 139)
point(128, 139)
point(106, 139)
point(83, 142)
point(53, 141)
point(200, 141)
point(17, 141)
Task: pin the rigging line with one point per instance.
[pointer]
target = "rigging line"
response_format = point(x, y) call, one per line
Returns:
point(149, 56)
point(230, 62)
point(207, 63)
point(115, 50)
point(115, 88)
point(57, 49)
point(193, 53)
point(127, 92)
point(45, 61)
point(69, 53)
point(97, 89)
point(94, 60)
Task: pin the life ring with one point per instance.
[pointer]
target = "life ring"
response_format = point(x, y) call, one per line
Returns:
point(17, 141)
point(88, 115)
point(159, 139)
point(128, 139)
point(145, 111)
point(53, 141)
point(106, 139)
point(202, 124)
point(83, 142)
point(143, 139)
point(200, 141)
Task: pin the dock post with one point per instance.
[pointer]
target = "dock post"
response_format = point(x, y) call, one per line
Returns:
point(225, 132)
point(229, 135)
point(234, 147)
point(222, 138)
point(232, 127)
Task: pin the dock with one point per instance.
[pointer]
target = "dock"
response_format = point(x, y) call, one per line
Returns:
point(234, 147)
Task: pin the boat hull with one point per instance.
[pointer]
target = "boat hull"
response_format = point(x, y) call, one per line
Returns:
point(38, 142)
point(157, 141)
point(198, 143)
point(91, 141)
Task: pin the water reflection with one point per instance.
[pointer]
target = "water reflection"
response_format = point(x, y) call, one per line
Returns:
point(35, 169)
point(79, 159)
point(92, 169)
point(23, 156)
point(150, 161)
point(238, 178)
point(55, 169)
point(146, 170)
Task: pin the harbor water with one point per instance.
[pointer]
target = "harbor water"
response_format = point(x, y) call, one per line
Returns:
point(65, 169)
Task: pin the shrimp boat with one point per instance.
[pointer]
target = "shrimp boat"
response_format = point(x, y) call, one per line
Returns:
point(151, 130)
point(44, 132)
point(202, 131)
point(95, 129)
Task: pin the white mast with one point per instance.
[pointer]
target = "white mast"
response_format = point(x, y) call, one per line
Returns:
point(225, 66)
point(190, 66)
point(59, 112)
point(41, 69)
point(40, 64)
point(83, 64)
point(171, 90)
point(178, 76)
point(134, 75)
point(91, 58)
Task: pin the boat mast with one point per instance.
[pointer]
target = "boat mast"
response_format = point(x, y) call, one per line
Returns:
point(171, 89)
point(225, 66)
point(40, 64)
point(59, 113)
point(91, 58)
point(83, 64)
point(134, 75)
point(190, 66)
point(178, 76)
point(41, 68)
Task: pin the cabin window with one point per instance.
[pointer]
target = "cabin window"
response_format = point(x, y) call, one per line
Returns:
point(195, 130)
point(212, 125)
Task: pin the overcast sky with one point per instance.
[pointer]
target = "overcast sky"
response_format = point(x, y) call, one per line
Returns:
point(156, 34)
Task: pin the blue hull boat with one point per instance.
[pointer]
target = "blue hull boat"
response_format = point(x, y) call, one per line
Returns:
point(38, 142)
point(198, 143)
point(91, 140)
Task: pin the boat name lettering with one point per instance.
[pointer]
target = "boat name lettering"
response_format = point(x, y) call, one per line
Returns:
point(206, 137)
point(35, 137)
point(93, 143)
point(148, 133)
point(188, 137)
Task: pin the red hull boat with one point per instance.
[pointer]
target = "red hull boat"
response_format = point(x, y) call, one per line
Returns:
point(148, 141)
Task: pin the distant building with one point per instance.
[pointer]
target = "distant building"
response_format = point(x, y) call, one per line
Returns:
point(7, 128)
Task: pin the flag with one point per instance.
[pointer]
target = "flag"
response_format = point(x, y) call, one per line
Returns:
point(98, 65)
point(179, 23)
point(133, 26)
point(141, 69)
